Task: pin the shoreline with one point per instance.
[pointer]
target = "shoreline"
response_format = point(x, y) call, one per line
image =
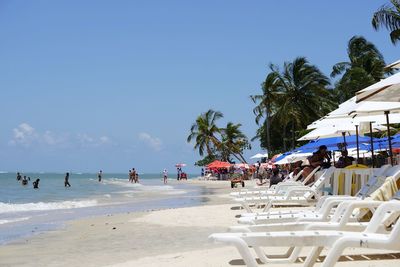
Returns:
point(165, 237)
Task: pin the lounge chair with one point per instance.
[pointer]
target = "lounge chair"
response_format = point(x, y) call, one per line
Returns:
point(372, 237)
point(274, 189)
point(325, 205)
point(295, 195)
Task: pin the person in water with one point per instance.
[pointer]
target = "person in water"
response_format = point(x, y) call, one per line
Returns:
point(99, 175)
point(24, 180)
point(36, 184)
point(165, 175)
point(133, 178)
point(66, 180)
point(19, 177)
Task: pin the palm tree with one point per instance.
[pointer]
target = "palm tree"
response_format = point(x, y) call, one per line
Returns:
point(265, 102)
point(204, 132)
point(234, 141)
point(366, 66)
point(388, 17)
point(301, 96)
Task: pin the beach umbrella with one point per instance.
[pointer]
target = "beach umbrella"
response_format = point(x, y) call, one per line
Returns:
point(385, 90)
point(219, 164)
point(257, 156)
point(242, 166)
point(180, 165)
point(386, 93)
point(275, 157)
point(394, 65)
point(294, 157)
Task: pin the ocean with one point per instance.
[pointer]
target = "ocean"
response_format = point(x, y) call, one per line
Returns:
point(25, 211)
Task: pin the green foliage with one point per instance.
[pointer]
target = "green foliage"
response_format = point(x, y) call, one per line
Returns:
point(219, 143)
point(205, 161)
point(366, 66)
point(291, 99)
point(389, 17)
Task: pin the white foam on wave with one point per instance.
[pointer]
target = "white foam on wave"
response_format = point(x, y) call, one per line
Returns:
point(9, 207)
point(14, 220)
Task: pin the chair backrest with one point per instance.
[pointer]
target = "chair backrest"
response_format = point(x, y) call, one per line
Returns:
point(381, 215)
point(310, 175)
point(317, 186)
point(393, 171)
point(376, 180)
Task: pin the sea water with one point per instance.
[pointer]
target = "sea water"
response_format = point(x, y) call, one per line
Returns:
point(25, 211)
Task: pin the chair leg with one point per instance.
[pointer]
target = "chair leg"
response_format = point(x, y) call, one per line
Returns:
point(268, 205)
point(244, 251)
point(246, 206)
point(312, 258)
point(289, 257)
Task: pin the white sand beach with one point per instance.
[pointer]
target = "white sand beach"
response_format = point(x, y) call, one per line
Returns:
point(172, 237)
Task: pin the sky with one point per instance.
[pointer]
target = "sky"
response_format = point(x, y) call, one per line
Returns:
point(111, 85)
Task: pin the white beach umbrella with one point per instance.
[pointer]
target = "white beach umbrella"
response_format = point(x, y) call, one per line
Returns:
point(335, 130)
point(394, 65)
point(293, 158)
point(387, 90)
point(259, 156)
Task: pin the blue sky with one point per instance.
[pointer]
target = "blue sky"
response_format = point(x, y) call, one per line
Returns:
point(86, 85)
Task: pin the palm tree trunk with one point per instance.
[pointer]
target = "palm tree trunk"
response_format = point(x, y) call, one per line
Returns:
point(293, 136)
point(284, 138)
point(268, 126)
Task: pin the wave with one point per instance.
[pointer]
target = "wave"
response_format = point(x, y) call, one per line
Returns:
point(14, 220)
point(9, 207)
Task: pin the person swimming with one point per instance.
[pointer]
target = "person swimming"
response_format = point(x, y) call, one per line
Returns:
point(99, 175)
point(36, 184)
point(24, 180)
point(66, 180)
point(19, 177)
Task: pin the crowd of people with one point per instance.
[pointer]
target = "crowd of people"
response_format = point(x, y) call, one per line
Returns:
point(133, 178)
point(322, 158)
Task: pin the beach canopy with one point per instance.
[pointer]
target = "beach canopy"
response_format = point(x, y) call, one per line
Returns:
point(218, 164)
point(385, 90)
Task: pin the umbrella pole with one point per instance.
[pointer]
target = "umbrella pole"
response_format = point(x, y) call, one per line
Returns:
point(389, 139)
point(358, 145)
point(372, 145)
point(344, 140)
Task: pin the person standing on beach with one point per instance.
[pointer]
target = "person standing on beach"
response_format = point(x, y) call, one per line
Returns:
point(66, 180)
point(165, 175)
point(99, 175)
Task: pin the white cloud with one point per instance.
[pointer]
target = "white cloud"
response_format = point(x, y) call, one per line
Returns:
point(154, 142)
point(87, 140)
point(26, 135)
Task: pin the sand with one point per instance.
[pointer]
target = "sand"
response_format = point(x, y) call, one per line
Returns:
point(172, 237)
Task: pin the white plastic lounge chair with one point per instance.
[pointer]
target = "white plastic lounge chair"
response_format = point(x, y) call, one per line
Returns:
point(274, 189)
point(325, 205)
point(371, 237)
point(343, 220)
point(296, 195)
